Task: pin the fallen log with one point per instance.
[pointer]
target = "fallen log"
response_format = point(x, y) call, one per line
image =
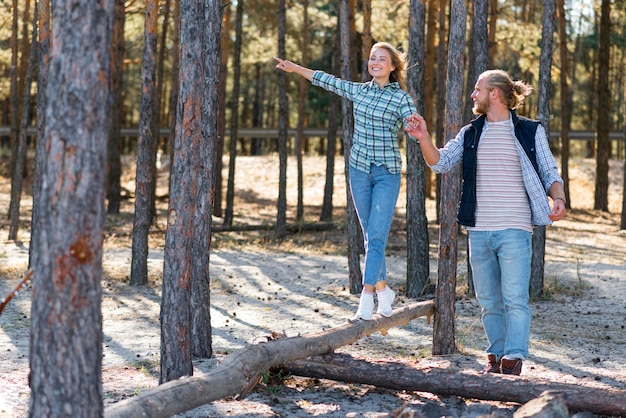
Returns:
point(466, 383)
point(240, 371)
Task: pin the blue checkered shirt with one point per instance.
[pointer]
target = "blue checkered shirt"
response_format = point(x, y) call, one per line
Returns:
point(379, 113)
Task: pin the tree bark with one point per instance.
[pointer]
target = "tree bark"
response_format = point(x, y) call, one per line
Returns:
point(201, 331)
point(407, 375)
point(354, 229)
point(543, 114)
point(20, 160)
point(283, 126)
point(326, 214)
point(601, 198)
point(443, 339)
point(234, 115)
point(565, 100)
point(144, 177)
point(117, 88)
point(418, 262)
point(221, 109)
point(176, 315)
point(303, 88)
point(66, 327)
point(240, 371)
point(43, 61)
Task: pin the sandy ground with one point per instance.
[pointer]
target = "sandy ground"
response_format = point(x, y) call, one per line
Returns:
point(300, 286)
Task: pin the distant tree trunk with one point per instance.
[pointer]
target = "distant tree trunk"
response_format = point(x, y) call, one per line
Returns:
point(303, 89)
point(201, 332)
point(20, 161)
point(565, 101)
point(478, 62)
point(173, 105)
point(493, 20)
point(601, 199)
point(66, 324)
point(258, 105)
point(117, 89)
point(283, 125)
point(354, 233)
point(43, 59)
point(623, 218)
point(156, 103)
point(543, 114)
point(366, 39)
point(176, 313)
point(221, 110)
point(14, 91)
point(443, 329)
point(429, 80)
point(333, 122)
point(442, 62)
point(144, 178)
point(418, 267)
point(234, 116)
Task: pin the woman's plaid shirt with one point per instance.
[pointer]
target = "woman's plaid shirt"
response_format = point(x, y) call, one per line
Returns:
point(379, 113)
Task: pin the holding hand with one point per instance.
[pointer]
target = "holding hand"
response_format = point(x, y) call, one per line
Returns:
point(416, 127)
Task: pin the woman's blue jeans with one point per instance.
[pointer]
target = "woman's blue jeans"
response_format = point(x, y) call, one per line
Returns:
point(501, 263)
point(374, 196)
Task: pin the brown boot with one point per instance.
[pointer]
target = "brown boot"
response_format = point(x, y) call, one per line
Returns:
point(493, 366)
point(511, 366)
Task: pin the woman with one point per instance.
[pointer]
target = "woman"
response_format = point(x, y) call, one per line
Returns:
point(381, 107)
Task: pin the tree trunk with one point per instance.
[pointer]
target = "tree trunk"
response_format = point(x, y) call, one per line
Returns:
point(478, 62)
point(366, 39)
point(201, 332)
point(20, 160)
point(469, 384)
point(442, 62)
point(601, 198)
point(418, 267)
point(221, 109)
point(429, 80)
point(144, 177)
point(543, 114)
point(283, 125)
point(565, 102)
point(176, 314)
point(13, 89)
point(156, 103)
point(240, 371)
point(493, 23)
point(623, 218)
point(43, 58)
point(443, 339)
point(234, 116)
point(173, 105)
point(331, 146)
point(303, 89)
point(347, 73)
point(66, 327)
point(117, 89)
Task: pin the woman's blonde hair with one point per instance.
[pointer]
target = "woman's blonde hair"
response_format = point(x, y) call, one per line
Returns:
point(512, 92)
point(398, 60)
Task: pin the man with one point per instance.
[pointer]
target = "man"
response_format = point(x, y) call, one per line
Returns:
point(508, 172)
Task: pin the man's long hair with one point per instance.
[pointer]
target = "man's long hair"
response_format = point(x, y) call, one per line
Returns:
point(512, 92)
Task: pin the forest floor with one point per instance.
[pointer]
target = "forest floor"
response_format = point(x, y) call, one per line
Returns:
point(300, 285)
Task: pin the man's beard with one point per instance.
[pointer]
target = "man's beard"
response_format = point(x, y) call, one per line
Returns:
point(481, 107)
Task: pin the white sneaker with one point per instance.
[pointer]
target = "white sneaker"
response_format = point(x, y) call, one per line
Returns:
point(366, 307)
point(385, 299)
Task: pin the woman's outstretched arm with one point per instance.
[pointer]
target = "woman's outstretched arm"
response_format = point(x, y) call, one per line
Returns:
point(290, 67)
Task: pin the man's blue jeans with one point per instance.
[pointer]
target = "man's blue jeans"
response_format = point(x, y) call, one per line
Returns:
point(501, 263)
point(375, 196)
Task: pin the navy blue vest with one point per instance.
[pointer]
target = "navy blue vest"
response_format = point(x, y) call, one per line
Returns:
point(525, 130)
